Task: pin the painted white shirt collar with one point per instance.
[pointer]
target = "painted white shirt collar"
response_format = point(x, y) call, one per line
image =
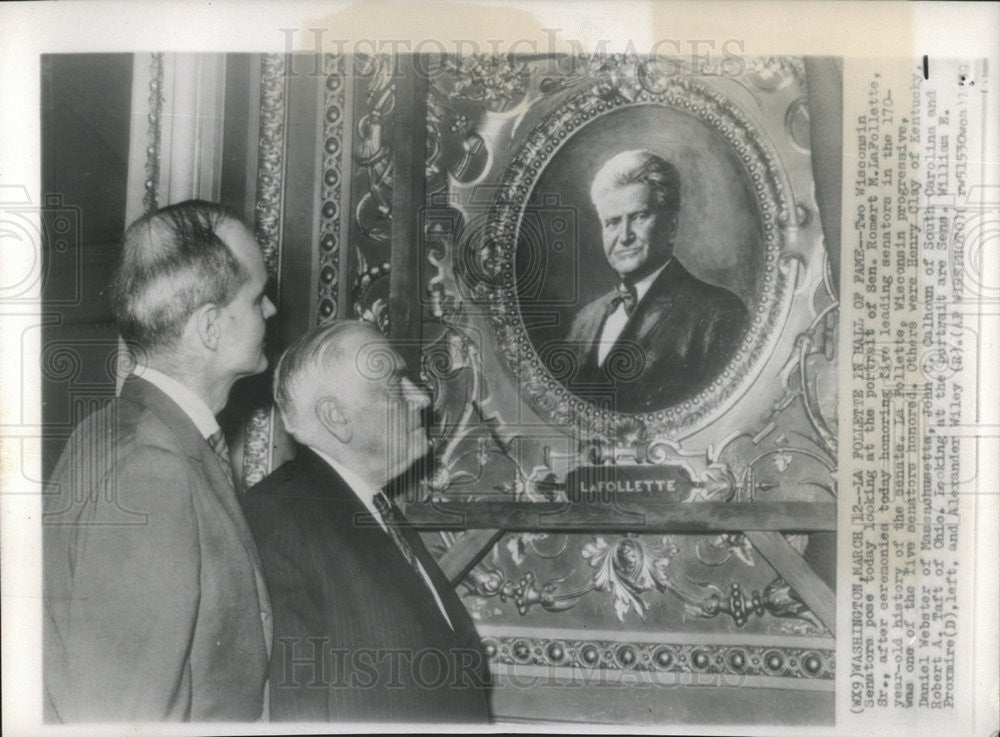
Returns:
point(615, 323)
point(642, 286)
point(192, 405)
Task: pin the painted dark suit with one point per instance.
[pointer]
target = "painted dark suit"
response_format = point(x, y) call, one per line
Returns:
point(680, 336)
point(358, 635)
point(154, 600)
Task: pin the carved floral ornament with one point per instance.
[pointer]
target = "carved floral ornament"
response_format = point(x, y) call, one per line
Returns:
point(492, 263)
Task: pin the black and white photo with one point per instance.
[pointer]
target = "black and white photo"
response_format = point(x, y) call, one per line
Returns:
point(494, 366)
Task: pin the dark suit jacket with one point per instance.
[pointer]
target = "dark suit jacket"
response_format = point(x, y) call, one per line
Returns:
point(680, 336)
point(154, 606)
point(357, 633)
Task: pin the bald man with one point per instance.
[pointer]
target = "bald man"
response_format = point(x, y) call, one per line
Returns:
point(366, 626)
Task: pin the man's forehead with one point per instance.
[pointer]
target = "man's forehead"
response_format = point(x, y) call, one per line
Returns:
point(237, 236)
point(231, 229)
point(243, 244)
point(619, 200)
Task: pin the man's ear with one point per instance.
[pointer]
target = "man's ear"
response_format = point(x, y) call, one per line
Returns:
point(286, 421)
point(206, 323)
point(332, 417)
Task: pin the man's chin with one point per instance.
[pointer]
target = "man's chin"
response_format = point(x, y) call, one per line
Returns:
point(625, 266)
point(261, 365)
point(254, 370)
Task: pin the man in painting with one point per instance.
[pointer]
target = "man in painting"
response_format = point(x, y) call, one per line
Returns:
point(366, 625)
point(662, 334)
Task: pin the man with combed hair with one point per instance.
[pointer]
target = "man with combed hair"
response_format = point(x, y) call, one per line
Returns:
point(154, 603)
point(662, 334)
point(366, 626)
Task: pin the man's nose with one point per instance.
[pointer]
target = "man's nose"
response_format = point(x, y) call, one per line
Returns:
point(628, 232)
point(415, 396)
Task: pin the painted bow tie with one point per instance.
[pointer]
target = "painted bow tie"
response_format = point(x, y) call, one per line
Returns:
point(626, 296)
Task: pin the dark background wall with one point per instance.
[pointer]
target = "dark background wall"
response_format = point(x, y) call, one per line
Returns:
point(85, 115)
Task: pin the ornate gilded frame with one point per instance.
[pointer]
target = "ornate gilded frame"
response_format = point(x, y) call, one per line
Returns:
point(546, 393)
point(508, 426)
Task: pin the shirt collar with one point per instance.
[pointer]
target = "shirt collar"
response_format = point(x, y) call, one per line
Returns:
point(361, 488)
point(366, 494)
point(192, 405)
point(642, 286)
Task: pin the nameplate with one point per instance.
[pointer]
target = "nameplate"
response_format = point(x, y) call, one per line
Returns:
point(595, 484)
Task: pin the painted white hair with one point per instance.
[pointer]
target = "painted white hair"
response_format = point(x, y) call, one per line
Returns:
point(639, 166)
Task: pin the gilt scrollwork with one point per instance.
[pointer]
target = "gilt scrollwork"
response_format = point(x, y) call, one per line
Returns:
point(626, 569)
point(370, 296)
point(468, 440)
point(373, 150)
point(497, 81)
point(270, 159)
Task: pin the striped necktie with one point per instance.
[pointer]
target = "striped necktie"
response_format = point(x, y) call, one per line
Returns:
point(394, 524)
point(217, 442)
point(399, 530)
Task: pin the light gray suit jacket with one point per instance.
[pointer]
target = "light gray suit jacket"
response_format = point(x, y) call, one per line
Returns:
point(154, 602)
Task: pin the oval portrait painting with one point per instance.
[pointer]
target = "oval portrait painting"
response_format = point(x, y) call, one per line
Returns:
point(638, 260)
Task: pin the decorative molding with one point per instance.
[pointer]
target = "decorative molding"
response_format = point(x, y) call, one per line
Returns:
point(497, 82)
point(373, 152)
point(268, 208)
point(628, 567)
point(372, 187)
point(154, 122)
point(370, 296)
point(770, 73)
point(328, 273)
point(270, 159)
point(257, 447)
point(663, 657)
point(538, 386)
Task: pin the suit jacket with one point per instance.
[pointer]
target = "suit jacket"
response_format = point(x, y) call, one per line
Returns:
point(154, 603)
point(680, 336)
point(358, 635)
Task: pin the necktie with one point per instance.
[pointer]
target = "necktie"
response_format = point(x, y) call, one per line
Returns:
point(394, 523)
point(401, 534)
point(626, 296)
point(217, 442)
